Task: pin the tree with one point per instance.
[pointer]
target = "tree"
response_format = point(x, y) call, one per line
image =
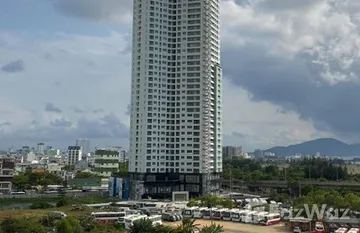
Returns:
point(188, 226)
point(68, 225)
point(68, 168)
point(20, 182)
point(142, 226)
point(24, 225)
point(48, 220)
point(192, 202)
point(213, 228)
point(80, 175)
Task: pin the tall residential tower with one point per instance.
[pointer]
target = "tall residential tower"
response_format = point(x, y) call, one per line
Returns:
point(176, 113)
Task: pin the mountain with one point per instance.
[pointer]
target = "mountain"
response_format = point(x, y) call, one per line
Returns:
point(326, 146)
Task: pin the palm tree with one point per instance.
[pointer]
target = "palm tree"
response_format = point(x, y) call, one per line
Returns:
point(213, 228)
point(142, 226)
point(164, 229)
point(188, 226)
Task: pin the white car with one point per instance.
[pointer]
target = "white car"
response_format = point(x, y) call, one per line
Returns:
point(297, 230)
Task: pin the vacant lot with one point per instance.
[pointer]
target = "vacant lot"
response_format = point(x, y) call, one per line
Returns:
point(39, 213)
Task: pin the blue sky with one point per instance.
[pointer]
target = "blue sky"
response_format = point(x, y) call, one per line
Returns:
point(290, 71)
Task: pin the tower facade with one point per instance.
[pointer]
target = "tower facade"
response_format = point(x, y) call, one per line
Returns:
point(176, 113)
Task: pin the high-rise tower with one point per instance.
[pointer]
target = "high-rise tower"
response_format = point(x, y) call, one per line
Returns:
point(176, 114)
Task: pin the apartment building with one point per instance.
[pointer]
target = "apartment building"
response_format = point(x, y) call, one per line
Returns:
point(7, 168)
point(74, 154)
point(176, 114)
point(106, 161)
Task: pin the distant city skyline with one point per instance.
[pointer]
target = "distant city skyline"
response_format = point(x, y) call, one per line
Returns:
point(285, 81)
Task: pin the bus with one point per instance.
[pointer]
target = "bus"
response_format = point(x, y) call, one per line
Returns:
point(18, 193)
point(319, 227)
point(189, 212)
point(198, 213)
point(341, 230)
point(270, 219)
point(354, 230)
point(208, 214)
point(258, 217)
point(227, 215)
point(129, 220)
point(107, 217)
point(235, 215)
point(249, 216)
point(218, 214)
point(155, 219)
point(243, 214)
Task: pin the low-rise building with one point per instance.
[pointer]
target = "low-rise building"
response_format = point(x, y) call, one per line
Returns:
point(106, 161)
point(7, 166)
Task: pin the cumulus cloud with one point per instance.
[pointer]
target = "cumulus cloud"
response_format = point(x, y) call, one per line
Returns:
point(50, 107)
point(300, 55)
point(14, 66)
point(324, 31)
point(104, 10)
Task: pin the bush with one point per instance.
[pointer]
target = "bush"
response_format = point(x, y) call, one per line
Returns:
point(41, 205)
point(62, 202)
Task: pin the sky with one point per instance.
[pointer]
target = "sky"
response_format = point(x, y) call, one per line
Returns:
point(291, 71)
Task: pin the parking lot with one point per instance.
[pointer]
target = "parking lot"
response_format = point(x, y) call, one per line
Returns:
point(232, 227)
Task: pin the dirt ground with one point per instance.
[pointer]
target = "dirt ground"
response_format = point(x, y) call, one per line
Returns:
point(232, 227)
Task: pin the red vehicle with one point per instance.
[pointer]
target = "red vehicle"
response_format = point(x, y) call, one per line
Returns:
point(107, 217)
point(319, 227)
point(270, 219)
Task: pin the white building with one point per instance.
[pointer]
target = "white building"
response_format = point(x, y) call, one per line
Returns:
point(40, 148)
point(28, 157)
point(106, 161)
point(176, 116)
point(74, 154)
point(85, 144)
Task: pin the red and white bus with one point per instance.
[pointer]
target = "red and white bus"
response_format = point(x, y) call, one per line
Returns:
point(319, 227)
point(341, 230)
point(107, 217)
point(270, 219)
point(354, 230)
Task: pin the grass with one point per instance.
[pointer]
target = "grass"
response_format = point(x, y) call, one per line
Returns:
point(37, 214)
point(70, 200)
point(353, 168)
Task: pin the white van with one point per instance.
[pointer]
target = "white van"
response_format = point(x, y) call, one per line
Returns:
point(58, 214)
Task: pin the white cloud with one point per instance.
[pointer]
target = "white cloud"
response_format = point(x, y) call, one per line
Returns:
point(325, 30)
point(261, 124)
point(89, 73)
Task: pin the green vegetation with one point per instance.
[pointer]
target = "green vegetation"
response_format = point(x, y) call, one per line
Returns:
point(312, 168)
point(58, 200)
point(336, 199)
point(83, 224)
point(27, 179)
point(187, 226)
point(123, 170)
point(47, 224)
point(81, 175)
point(211, 201)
